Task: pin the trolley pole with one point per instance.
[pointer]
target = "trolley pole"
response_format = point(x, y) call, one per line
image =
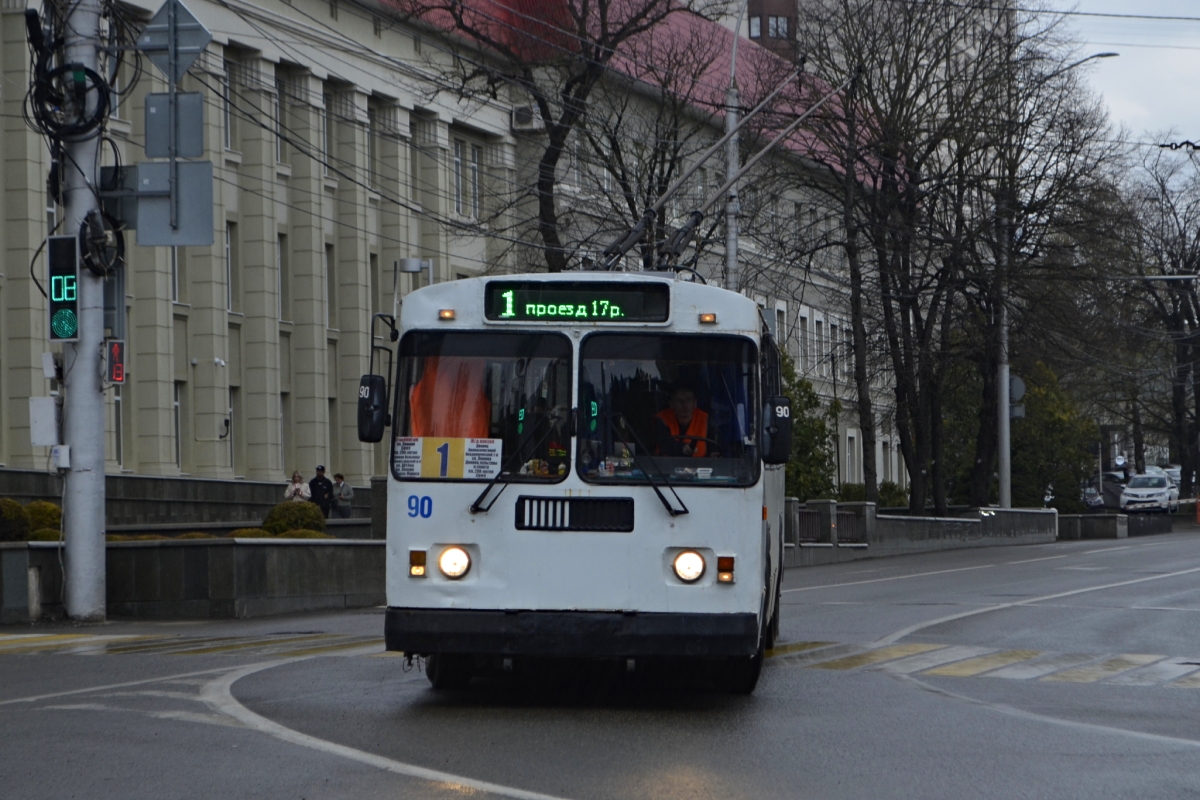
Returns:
point(83, 405)
point(732, 273)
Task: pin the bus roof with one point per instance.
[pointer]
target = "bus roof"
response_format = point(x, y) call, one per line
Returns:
point(688, 301)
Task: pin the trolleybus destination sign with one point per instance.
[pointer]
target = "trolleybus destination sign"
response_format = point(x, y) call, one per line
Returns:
point(441, 457)
point(589, 301)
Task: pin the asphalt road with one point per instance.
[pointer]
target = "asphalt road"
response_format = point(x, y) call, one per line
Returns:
point(1065, 670)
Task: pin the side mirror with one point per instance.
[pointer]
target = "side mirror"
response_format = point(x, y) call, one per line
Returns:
point(777, 431)
point(372, 408)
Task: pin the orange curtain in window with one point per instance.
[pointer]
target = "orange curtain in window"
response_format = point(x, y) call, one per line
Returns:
point(451, 399)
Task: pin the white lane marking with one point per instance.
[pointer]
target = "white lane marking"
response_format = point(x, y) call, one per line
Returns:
point(217, 693)
point(1085, 569)
point(881, 580)
point(911, 629)
point(1106, 550)
point(36, 697)
point(1089, 727)
point(1031, 560)
point(1027, 670)
point(937, 658)
point(1155, 674)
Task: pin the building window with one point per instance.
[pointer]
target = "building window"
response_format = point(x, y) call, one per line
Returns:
point(476, 157)
point(177, 419)
point(833, 347)
point(777, 27)
point(285, 418)
point(118, 428)
point(330, 288)
point(755, 27)
point(803, 325)
point(887, 460)
point(283, 278)
point(175, 274)
point(334, 448)
point(372, 146)
point(326, 133)
point(458, 177)
point(851, 460)
point(232, 421)
point(818, 347)
point(233, 300)
point(227, 105)
point(279, 126)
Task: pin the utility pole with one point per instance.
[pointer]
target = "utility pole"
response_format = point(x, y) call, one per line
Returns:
point(733, 276)
point(83, 406)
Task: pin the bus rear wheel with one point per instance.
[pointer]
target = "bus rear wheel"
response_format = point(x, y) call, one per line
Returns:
point(449, 671)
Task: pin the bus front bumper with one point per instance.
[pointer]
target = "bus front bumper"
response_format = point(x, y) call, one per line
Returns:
point(581, 634)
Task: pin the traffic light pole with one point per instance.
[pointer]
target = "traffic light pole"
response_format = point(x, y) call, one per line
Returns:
point(83, 406)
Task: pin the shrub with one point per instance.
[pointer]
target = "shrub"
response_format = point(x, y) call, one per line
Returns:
point(195, 535)
point(852, 493)
point(302, 533)
point(14, 521)
point(44, 514)
point(892, 496)
point(45, 535)
point(290, 515)
point(247, 533)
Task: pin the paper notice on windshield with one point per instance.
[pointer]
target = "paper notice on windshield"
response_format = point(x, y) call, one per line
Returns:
point(435, 457)
point(481, 461)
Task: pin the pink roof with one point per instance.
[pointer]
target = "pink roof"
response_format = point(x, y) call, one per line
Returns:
point(684, 53)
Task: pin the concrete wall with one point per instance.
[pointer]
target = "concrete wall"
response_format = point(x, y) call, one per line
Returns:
point(199, 579)
point(1094, 526)
point(887, 535)
point(145, 500)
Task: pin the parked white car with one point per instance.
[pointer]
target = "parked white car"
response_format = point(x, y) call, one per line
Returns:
point(1148, 493)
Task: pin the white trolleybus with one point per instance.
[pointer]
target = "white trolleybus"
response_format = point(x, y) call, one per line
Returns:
point(583, 465)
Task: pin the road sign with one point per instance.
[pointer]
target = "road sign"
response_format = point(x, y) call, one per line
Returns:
point(189, 142)
point(190, 39)
point(195, 195)
point(1016, 389)
point(63, 267)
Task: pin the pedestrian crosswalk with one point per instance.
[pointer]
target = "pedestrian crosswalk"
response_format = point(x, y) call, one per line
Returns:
point(283, 645)
point(915, 658)
point(962, 661)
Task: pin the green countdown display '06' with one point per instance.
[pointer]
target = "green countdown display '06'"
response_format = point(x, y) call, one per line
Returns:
point(577, 301)
point(63, 266)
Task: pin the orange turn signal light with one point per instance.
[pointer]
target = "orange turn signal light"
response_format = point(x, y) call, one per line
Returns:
point(446, 314)
point(724, 569)
point(708, 318)
point(416, 563)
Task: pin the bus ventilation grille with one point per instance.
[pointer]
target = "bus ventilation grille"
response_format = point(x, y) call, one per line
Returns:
point(605, 514)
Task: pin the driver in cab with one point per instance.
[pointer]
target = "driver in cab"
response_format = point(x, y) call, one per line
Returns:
point(681, 429)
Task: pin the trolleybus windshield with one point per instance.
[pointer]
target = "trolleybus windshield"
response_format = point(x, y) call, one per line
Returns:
point(474, 405)
point(673, 406)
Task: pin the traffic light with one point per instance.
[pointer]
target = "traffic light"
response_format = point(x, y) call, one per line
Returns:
point(63, 260)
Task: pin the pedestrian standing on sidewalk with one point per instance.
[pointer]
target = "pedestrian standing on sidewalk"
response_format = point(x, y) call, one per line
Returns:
point(297, 490)
point(342, 495)
point(322, 491)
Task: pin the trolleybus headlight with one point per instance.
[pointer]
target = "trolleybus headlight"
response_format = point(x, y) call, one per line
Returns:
point(689, 566)
point(454, 562)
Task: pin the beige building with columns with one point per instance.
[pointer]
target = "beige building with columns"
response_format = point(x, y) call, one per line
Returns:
point(334, 155)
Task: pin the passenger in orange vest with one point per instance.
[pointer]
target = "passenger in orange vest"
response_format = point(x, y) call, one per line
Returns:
point(451, 399)
point(682, 428)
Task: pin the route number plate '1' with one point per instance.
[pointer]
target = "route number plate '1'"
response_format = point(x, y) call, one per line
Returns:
point(433, 457)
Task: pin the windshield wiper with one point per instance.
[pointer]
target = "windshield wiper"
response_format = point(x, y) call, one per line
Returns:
point(672, 510)
point(478, 506)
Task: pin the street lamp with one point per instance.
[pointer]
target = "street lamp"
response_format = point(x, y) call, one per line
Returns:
point(1003, 376)
point(732, 275)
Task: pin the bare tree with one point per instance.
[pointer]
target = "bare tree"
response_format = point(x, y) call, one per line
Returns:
point(555, 54)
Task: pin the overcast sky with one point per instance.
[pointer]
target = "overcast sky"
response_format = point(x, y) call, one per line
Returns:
point(1155, 83)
